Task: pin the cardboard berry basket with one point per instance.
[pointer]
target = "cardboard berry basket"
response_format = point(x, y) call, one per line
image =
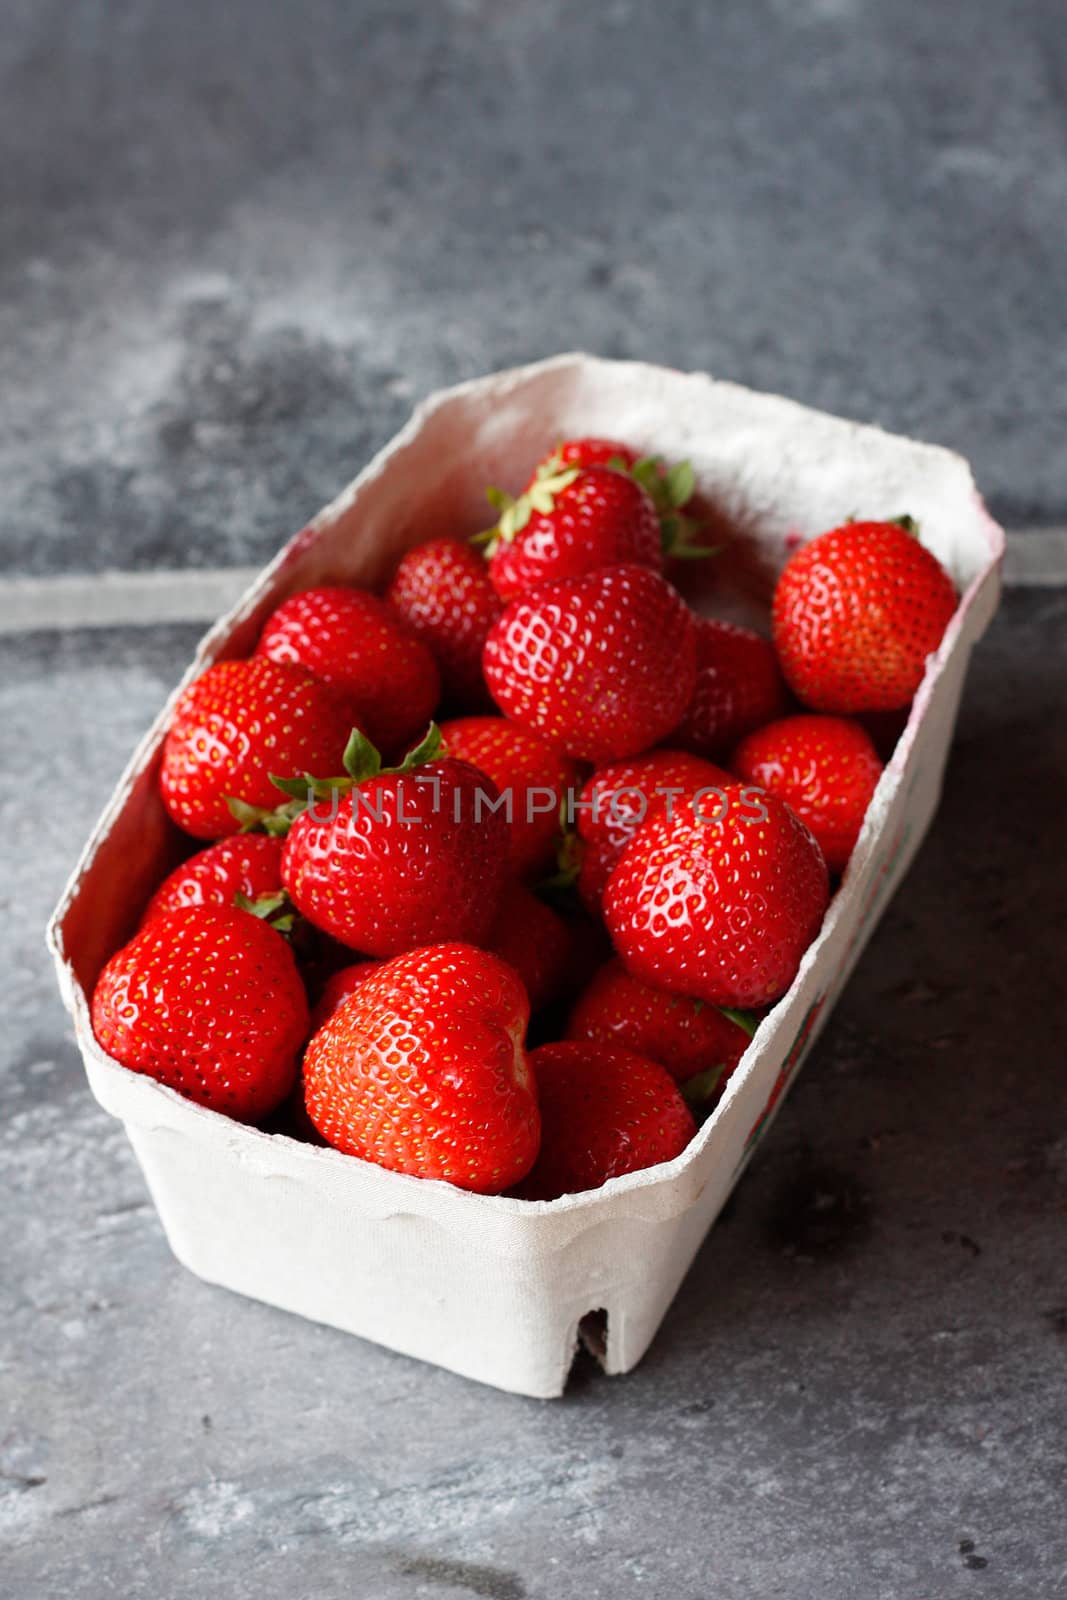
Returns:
point(495, 1288)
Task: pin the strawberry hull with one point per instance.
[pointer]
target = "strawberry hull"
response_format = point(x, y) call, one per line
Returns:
point(489, 1287)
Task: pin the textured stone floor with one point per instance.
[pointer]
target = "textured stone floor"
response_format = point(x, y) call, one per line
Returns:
point(240, 239)
point(859, 1390)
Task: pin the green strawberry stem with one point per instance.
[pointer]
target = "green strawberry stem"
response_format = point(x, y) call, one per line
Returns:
point(515, 514)
point(275, 909)
point(361, 761)
point(749, 1021)
point(699, 1091)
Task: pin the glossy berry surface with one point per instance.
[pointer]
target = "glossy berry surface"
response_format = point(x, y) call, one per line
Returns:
point(602, 518)
point(248, 864)
point(208, 1001)
point(622, 795)
point(237, 724)
point(362, 647)
point(525, 767)
point(423, 1070)
point(602, 666)
point(403, 859)
point(442, 590)
point(604, 1112)
point(856, 614)
point(686, 1036)
point(738, 687)
point(825, 768)
point(721, 907)
point(589, 451)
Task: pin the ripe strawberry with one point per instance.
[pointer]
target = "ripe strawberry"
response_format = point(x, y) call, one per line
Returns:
point(720, 906)
point(825, 768)
point(856, 614)
point(530, 937)
point(387, 860)
point(670, 488)
point(619, 797)
point(248, 865)
point(602, 665)
point(738, 687)
point(604, 1111)
point(442, 590)
point(233, 727)
point(562, 527)
point(423, 1070)
point(685, 1036)
point(361, 646)
point(208, 1001)
point(337, 988)
point(524, 766)
point(587, 452)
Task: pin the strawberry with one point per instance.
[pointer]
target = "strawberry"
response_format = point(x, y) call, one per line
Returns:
point(670, 488)
point(601, 665)
point(604, 1111)
point(530, 937)
point(722, 904)
point(570, 524)
point(422, 1070)
point(825, 768)
point(233, 727)
point(364, 648)
point(388, 859)
point(738, 687)
point(248, 865)
point(207, 1000)
point(619, 797)
point(685, 1036)
point(337, 988)
point(586, 452)
point(442, 590)
point(533, 777)
point(856, 614)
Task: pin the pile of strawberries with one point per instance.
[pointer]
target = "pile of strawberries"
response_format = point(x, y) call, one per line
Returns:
point(627, 826)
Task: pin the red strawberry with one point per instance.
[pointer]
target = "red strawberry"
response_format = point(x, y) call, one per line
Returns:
point(856, 614)
point(423, 1070)
point(587, 452)
point(442, 591)
point(248, 865)
point(524, 766)
point(337, 988)
point(233, 727)
point(562, 527)
point(685, 1036)
point(670, 488)
point(825, 768)
point(386, 860)
point(738, 687)
point(604, 1112)
point(208, 1001)
point(361, 646)
point(721, 906)
point(530, 937)
point(602, 666)
point(621, 796)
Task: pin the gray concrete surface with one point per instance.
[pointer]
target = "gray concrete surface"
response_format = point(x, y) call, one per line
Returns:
point(858, 1392)
point(237, 241)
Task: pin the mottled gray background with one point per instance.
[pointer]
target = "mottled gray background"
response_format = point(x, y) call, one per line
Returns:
point(239, 239)
point(236, 243)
